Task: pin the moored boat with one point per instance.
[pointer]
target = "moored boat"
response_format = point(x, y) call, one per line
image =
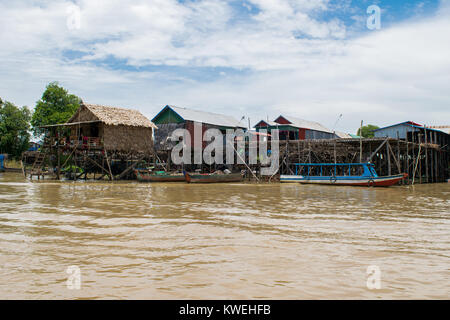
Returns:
point(346, 174)
point(213, 177)
point(159, 176)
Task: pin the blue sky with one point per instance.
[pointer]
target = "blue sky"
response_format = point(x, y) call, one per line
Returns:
point(348, 12)
point(257, 58)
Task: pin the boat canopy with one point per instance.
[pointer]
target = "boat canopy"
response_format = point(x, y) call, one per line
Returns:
point(336, 169)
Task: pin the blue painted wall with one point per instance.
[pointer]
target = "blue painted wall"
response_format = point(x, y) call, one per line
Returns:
point(391, 132)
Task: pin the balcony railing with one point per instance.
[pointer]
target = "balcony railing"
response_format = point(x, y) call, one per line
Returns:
point(85, 142)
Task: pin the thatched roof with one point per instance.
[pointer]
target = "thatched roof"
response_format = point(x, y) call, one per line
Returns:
point(116, 116)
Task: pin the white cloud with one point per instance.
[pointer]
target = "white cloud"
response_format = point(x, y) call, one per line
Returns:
point(396, 74)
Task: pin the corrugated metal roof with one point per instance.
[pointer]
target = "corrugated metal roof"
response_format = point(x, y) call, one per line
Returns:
point(270, 123)
point(407, 123)
point(343, 135)
point(207, 117)
point(445, 129)
point(301, 123)
point(427, 128)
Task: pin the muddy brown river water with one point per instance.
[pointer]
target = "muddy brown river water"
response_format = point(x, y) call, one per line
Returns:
point(229, 241)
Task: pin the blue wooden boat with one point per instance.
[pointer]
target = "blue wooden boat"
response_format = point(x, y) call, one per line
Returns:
point(344, 174)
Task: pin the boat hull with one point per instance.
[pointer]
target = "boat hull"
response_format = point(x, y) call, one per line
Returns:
point(213, 178)
point(347, 181)
point(146, 177)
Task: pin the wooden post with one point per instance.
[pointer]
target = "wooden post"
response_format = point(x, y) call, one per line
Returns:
point(309, 151)
point(287, 155)
point(360, 143)
point(397, 162)
point(58, 170)
point(377, 149)
point(111, 177)
point(103, 165)
point(85, 166)
point(169, 155)
point(98, 165)
point(407, 159)
point(131, 167)
point(388, 158)
point(75, 164)
point(426, 154)
point(413, 152)
point(433, 178)
point(23, 169)
point(335, 159)
point(436, 178)
point(420, 160)
point(415, 168)
point(436, 165)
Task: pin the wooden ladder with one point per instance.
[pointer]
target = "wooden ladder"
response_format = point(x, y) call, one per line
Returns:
point(36, 169)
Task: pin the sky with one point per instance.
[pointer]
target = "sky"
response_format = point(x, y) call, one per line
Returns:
point(312, 59)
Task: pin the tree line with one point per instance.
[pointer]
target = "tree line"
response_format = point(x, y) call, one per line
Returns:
point(17, 124)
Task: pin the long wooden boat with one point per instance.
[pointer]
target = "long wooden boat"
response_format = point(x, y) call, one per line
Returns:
point(145, 176)
point(212, 177)
point(345, 174)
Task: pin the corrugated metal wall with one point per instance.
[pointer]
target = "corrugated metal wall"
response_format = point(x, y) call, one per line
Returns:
point(163, 132)
point(312, 134)
point(391, 132)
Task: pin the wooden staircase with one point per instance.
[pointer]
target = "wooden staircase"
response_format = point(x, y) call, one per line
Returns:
point(37, 168)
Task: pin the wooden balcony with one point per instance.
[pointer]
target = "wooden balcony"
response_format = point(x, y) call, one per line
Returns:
point(72, 142)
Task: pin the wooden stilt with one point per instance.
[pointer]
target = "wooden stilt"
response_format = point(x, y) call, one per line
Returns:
point(111, 177)
point(131, 167)
point(23, 169)
point(417, 163)
point(395, 159)
point(388, 159)
point(58, 169)
point(98, 165)
point(420, 160)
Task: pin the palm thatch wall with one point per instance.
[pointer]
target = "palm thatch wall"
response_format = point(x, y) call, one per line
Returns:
point(127, 138)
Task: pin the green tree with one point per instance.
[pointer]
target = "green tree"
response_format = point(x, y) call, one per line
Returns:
point(56, 106)
point(367, 131)
point(14, 129)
